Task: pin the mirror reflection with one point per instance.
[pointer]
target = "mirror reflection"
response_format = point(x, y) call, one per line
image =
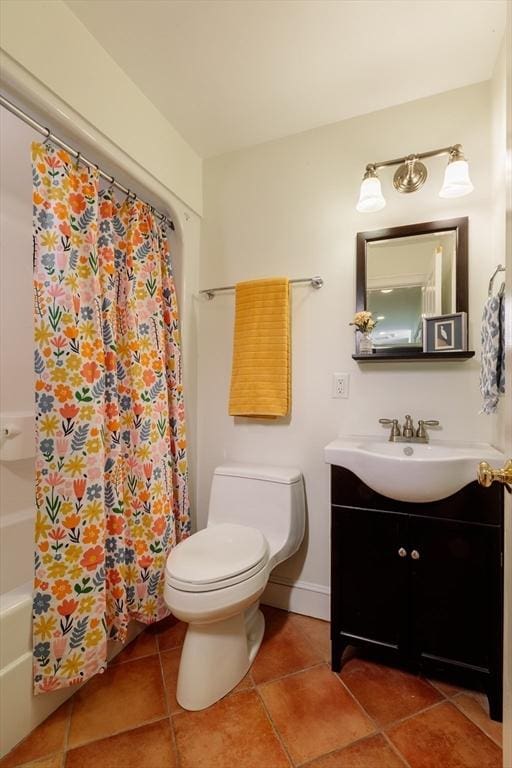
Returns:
point(408, 278)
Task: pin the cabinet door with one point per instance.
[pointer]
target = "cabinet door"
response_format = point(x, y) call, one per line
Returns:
point(455, 592)
point(369, 587)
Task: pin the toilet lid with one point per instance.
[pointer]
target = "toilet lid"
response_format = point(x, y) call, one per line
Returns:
point(217, 553)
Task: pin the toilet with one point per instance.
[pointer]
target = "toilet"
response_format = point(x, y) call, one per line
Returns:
point(214, 579)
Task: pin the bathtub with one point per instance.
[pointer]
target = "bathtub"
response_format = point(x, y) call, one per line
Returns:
point(21, 711)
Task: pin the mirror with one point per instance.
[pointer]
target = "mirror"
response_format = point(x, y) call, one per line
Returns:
point(410, 272)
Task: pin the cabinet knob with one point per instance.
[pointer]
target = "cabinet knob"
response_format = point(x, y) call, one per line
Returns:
point(415, 554)
point(402, 552)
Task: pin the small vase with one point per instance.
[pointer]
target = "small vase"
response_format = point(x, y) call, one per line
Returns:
point(365, 343)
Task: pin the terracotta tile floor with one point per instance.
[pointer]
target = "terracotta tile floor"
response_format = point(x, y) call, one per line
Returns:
point(290, 710)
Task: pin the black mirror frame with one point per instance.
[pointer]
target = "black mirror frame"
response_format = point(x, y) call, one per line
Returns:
point(460, 227)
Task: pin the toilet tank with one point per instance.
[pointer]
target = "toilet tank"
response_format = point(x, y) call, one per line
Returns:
point(268, 498)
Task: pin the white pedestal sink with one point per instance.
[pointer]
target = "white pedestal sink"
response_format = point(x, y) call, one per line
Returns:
point(411, 471)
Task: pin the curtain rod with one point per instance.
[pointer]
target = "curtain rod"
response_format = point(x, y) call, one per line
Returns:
point(78, 156)
point(315, 282)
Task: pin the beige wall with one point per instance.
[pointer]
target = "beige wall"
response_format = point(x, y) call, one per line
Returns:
point(288, 207)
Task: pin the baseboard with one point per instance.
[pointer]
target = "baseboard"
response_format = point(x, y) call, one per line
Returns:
point(298, 597)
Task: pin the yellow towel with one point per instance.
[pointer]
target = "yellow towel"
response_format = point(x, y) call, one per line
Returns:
point(260, 379)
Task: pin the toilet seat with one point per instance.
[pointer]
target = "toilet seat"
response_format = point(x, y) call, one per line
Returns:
point(217, 557)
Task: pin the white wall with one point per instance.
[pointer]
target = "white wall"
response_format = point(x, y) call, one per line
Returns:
point(16, 300)
point(288, 207)
point(502, 422)
point(16, 345)
point(48, 41)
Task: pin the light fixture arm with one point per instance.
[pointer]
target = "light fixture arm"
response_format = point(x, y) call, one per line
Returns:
point(455, 152)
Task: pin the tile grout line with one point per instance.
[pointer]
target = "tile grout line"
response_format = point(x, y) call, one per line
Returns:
point(352, 695)
point(133, 658)
point(304, 635)
point(443, 693)
point(454, 701)
point(166, 698)
point(340, 749)
point(404, 719)
point(289, 674)
point(380, 728)
point(117, 733)
point(68, 729)
point(274, 728)
point(486, 735)
point(395, 750)
point(169, 718)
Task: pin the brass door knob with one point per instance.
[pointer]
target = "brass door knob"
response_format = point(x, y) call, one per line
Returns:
point(487, 475)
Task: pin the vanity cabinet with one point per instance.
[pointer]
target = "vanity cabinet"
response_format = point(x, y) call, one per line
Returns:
point(420, 584)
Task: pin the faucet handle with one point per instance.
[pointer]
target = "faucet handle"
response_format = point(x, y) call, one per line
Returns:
point(395, 429)
point(420, 432)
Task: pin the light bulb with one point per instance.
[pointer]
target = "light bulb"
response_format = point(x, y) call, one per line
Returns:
point(370, 197)
point(456, 179)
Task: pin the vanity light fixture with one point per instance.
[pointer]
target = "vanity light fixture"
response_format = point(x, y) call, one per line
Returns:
point(411, 174)
point(456, 176)
point(370, 197)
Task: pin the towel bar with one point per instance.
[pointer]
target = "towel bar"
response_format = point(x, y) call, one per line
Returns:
point(499, 268)
point(315, 282)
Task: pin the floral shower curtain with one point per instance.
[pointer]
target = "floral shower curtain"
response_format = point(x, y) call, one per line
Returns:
point(111, 468)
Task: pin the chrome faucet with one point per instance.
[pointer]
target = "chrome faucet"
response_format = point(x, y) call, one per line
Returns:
point(408, 434)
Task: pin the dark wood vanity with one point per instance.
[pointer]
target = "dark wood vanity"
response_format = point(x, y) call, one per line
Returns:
point(420, 584)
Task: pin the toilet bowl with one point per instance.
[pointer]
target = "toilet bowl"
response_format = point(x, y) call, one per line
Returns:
point(214, 579)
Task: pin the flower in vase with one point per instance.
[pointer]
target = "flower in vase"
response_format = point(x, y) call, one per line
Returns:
point(364, 321)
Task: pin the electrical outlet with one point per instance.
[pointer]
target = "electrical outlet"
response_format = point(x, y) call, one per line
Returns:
point(340, 384)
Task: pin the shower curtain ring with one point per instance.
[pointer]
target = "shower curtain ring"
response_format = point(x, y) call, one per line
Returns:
point(48, 134)
point(77, 160)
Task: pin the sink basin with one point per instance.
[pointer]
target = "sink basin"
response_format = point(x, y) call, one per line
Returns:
point(411, 471)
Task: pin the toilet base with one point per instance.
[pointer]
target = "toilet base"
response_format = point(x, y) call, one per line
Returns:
point(216, 656)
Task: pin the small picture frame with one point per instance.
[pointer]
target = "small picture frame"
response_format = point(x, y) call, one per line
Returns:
point(445, 333)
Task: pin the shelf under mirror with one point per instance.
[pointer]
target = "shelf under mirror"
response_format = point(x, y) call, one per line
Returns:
point(412, 355)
